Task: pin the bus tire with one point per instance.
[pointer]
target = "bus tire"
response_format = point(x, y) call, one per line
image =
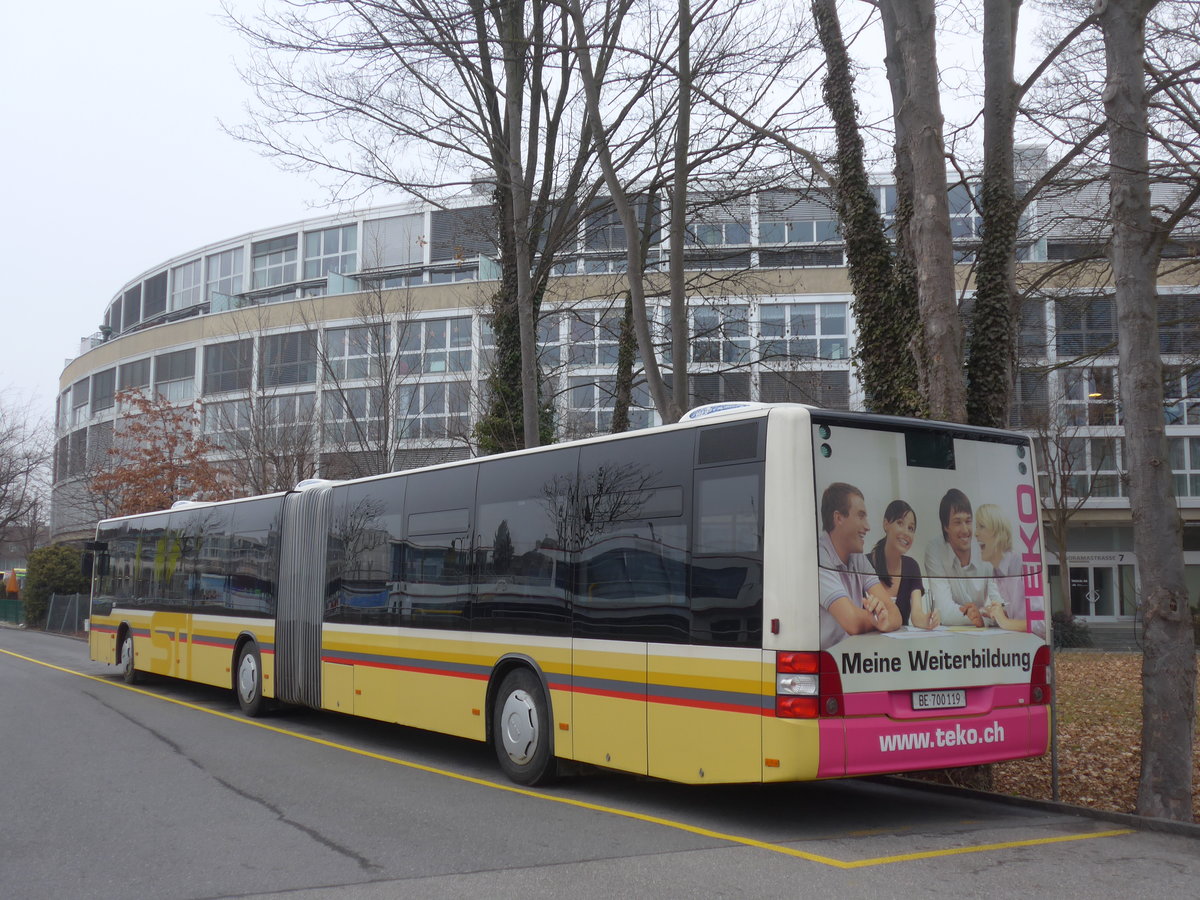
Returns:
point(247, 680)
point(521, 729)
point(129, 673)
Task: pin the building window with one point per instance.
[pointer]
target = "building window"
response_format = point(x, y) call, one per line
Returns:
point(964, 223)
point(288, 359)
point(436, 346)
point(1087, 467)
point(133, 376)
point(434, 410)
point(829, 390)
point(228, 366)
point(455, 275)
point(357, 352)
point(1089, 396)
point(549, 341)
point(803, 331)
point(77, 452)
point(594, 339)
point(1084, 326)
point(1185, 463)
point(1030, 401)
point(227, 423)
point(132, 305)
point(289, 419)
point(154, 296)
point(352, 416)
point(1031, 333)
point(224, 275)
point(1178, 324)
point(721, 335)
point(801, 231)
point(79, 401)
point(175, 376)
point(330, 250)
point(273, 262)
point(104, 386)
point(717, 387)
point(1181, 396)
point(186, 285)
point(705, 234)
point(590, 403)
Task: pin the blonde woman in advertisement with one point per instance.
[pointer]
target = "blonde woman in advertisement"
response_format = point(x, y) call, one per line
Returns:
point(994, 535)
point(898, 572)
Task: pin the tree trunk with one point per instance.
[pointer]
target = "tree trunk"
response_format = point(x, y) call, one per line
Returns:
point(1169, 659)
point(514, 74)
point(909, 35)
point(680, 385)
point(993, 343)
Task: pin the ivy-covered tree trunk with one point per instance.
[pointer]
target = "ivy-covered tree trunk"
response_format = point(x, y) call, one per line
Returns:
point(501, 427)
point(884, 310)
point(626, 357)
point(991, 357)
point(1169, 649)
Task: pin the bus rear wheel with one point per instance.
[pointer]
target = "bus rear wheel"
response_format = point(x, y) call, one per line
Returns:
point(521, 729)
point(129, 674)
point(247, 680)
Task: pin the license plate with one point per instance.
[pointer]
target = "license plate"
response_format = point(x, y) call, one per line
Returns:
point(939, 699)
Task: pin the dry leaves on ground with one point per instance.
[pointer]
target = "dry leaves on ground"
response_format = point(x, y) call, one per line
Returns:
point(1099, 702)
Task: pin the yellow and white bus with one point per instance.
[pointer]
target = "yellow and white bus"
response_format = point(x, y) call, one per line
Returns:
point(698, 602)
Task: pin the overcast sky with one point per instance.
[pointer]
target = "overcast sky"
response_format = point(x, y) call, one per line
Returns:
point(114, 162)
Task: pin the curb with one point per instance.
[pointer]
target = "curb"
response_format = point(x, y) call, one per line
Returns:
point(1142, 823)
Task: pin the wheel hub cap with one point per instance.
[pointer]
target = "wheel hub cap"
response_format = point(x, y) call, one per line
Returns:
point(519, 727)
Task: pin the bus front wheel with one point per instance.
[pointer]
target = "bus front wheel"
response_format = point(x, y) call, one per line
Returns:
point(248, 680)
point(521, 728)
point(129, 674)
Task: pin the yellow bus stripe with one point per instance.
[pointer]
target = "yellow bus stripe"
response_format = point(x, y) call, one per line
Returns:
point(582, 804)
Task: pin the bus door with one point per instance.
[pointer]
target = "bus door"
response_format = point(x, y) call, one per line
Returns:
point(300, 609)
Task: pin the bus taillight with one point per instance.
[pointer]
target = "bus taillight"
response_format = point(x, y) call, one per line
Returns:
point(807, 685)
point(1040, 689)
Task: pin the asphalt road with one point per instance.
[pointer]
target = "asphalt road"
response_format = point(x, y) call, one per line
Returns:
point(165, 790)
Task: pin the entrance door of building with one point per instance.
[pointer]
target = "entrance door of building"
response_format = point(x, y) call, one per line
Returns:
point(1094, 591)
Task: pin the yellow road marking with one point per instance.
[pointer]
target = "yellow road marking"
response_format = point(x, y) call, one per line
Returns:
point(582, 804)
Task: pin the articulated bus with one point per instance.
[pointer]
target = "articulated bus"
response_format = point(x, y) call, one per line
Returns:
point(758, 593)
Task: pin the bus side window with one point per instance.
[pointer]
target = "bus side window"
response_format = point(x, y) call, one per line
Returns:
point(726, 590)
point(633, 536)
point(435, 562)
point(523, 541)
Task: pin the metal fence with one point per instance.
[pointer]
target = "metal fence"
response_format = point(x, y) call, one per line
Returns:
point(67, 613)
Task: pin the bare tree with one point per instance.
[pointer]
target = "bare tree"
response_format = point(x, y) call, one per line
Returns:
point(414, 97)
point(705, 62)
point(24, 452)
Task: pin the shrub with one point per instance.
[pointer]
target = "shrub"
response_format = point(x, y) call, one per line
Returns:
point(1069, 631)
point(55, 569)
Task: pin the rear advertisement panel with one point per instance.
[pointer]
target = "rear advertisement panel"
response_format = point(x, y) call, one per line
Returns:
point(930, 561)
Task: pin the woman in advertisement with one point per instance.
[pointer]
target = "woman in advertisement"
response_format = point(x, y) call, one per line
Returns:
point(898, 572)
